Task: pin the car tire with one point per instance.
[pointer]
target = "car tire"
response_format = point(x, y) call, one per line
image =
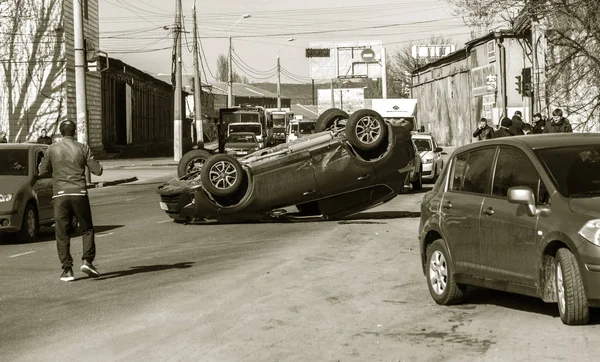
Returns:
point(417, 184)
point(366, 130)
point(222, 175)
point(192, 161)
point(328, 119)
point(440, 275)
point(573, 306)
point(30, 226)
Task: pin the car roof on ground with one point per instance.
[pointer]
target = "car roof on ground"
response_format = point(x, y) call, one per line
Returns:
point(539, 141)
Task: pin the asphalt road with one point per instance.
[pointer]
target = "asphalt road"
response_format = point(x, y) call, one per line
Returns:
point(350, 290)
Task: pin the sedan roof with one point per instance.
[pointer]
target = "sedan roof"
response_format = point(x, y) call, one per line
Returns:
point(540, 141)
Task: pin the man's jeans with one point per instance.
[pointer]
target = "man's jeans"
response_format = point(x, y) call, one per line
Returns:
point(65, 207)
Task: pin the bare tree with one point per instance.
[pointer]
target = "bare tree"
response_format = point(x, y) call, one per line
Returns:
point(403, 62)
point(223, 69)
point(573, 38)
point(31, 57)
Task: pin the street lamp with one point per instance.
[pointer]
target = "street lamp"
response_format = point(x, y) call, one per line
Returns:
point(229, 66)
point(279, 75)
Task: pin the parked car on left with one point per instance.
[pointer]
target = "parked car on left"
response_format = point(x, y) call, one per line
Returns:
point(25, 197)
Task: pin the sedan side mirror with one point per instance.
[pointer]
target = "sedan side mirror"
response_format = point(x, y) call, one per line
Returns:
point(523, 196)
point(438, 149)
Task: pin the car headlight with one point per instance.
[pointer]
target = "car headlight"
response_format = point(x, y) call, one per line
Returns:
point(591, 231)
point(254, 148)
point(6, 197)
point(228, 149)
point(428, 160)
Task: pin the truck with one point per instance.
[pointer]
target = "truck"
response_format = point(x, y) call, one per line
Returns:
point(280, 120)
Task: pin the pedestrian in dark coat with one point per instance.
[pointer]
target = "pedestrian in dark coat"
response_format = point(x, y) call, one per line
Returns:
point(558, 124)
point(66, 161)
point(517, 124)
point(538, 124)
point(44, 139)
point(484, 131)
point(3, 137)
point(504, 129)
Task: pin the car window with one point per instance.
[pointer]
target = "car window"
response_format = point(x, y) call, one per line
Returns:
point(422, 144)
point(514, 168)
point(471, 171)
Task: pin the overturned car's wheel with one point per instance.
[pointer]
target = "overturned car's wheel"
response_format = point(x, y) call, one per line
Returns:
point(192, 161)
point(330, 119)
point(222, 175)
point(366, 129)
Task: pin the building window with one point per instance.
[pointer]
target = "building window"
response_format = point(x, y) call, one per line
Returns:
point(491, 50)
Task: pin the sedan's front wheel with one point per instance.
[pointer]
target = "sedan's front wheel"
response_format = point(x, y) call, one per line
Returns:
point(440, 277)
point(30, 225)
point(572, 302)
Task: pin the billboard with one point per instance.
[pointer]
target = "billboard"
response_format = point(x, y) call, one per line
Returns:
point(349, 59)
point(348, 99)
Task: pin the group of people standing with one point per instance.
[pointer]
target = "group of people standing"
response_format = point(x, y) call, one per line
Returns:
point(516, 126)
point(44, 138)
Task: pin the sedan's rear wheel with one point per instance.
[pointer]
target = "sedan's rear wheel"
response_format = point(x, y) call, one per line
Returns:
point(573, 307)
point(366, 130)
point(222, 175)
point(440, 277)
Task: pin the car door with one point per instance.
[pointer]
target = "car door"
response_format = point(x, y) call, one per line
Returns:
point(42, 186)
point(469, 182)
point(285, 181)
point(507, 233)
point(337, 172)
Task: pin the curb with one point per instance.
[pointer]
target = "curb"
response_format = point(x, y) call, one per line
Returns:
point(111, 183)
point(133, 165)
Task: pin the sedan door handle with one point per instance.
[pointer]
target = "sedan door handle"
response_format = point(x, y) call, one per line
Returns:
point(489, 211)
point(364, 177)
point(447, 205)
point(306, 193)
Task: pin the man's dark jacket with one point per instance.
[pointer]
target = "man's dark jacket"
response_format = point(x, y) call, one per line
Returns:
point(484, 133)
point(538, 127)
point(45, 140)
point(66, 160)
point(562, 126)
point(503, 132)
point(517, 126)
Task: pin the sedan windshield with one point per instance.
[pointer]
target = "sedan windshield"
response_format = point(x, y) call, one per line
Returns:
point(13, 162)
point(242, 138)
point(422, 145)
point(575, 170)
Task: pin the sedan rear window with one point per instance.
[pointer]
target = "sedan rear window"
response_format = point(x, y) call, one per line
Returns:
point(13, 162)
point(471, 171)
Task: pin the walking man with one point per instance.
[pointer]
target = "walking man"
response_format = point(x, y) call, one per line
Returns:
point(517, 124)
point(558, 124)
point(484, 131)
point(67, 160)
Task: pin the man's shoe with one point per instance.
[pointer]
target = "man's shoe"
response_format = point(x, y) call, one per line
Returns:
point(89, 269)
point(67, 275)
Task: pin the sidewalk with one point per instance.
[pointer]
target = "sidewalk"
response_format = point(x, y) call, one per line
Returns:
point(120, 171)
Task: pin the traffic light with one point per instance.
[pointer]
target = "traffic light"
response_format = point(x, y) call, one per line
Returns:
point(317, 53)
point(527, 84)
point(518, 83)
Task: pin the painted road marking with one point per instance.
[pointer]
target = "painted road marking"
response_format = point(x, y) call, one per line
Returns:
point(28, 252)
point(103, 234)
point(164, 221)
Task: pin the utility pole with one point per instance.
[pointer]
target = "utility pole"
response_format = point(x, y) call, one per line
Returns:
point(230, 65)
point(80, 85)
point(278, 83)
point(332, 101)
point(197, 87)
point(178, 131)
point(313, 91)
point(384, 74)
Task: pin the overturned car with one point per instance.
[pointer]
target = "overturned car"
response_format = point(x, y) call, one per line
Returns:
point(351, 164)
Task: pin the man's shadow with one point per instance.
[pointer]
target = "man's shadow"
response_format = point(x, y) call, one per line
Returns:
point(144, 269)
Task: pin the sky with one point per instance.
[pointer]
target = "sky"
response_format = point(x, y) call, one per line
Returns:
point(139, 33)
